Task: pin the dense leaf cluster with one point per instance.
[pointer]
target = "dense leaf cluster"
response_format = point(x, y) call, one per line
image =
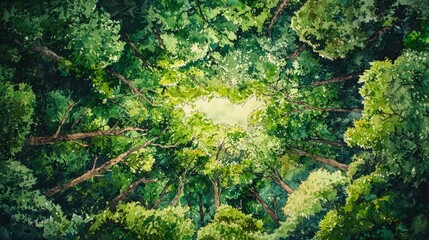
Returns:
point(108, 128)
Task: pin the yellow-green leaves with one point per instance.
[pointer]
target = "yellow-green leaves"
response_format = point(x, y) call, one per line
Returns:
point(319, 188)
point(231, 223)
point(395, 96)
point(333, 28)
point(311, 198)
point(134, 221)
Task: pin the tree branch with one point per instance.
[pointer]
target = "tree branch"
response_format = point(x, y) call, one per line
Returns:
point(163, 192)
point(296, 53)
point(310, 107)
point(277, 15)
point(342, 78)
point(267, 209)
point(112, 205)
point(33, 141)
point(66, 114)
point(278, 179)
point(378, 34)
point(98, 170)
point(323, 160)
point(134, 90)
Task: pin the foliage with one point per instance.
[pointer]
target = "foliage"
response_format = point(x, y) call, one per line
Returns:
point(392, 125)
point(110, 105)
point(231, 223)
point(334, 28)
point(18, 105)
point(26, 213)
point(132, 221)
point(312, 197)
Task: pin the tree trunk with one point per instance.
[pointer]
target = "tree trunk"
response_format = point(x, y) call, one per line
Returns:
point(96, 171)
point(270, 212)
point(180, 188)
point(323, 160)
point(112, 205)
point(32, 141)
point(159, 199)
point(280, 182)
point(216, 191)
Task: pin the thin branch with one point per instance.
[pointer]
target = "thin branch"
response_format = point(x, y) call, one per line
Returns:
point(133, 46)
point(54, 56)
point(45, 52)
point(277, 15)
point(163, 192)
point(158, 37)
point(163, 146)
point(134, 90)
point(104, 167)
point(200, 10)
point(311, 107)
point(94, 163)
point(378, 34)
point(342, 78)
point(79, 143)
point(79, 118)
point(267, 209)
point(66, 114)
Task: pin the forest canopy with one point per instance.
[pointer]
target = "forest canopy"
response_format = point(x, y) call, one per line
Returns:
point(229, 119)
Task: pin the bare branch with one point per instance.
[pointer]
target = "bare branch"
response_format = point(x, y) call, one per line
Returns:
point(323, 160)
point(277, 15)
point(378, 34)
point(79, 118)
point(163, 146)
point(32, 141)
point(79, 143)
point(310, 107)
point(66, 114)
point(98, 170)
point(296, 53)
point(94, 163)
point(134, 90)
point(342, 78)
point(127, 191)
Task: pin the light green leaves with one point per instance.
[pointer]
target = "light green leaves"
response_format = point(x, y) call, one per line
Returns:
point(334, 28)
point(311, 198)
point(134, 221)
point(231, 223)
